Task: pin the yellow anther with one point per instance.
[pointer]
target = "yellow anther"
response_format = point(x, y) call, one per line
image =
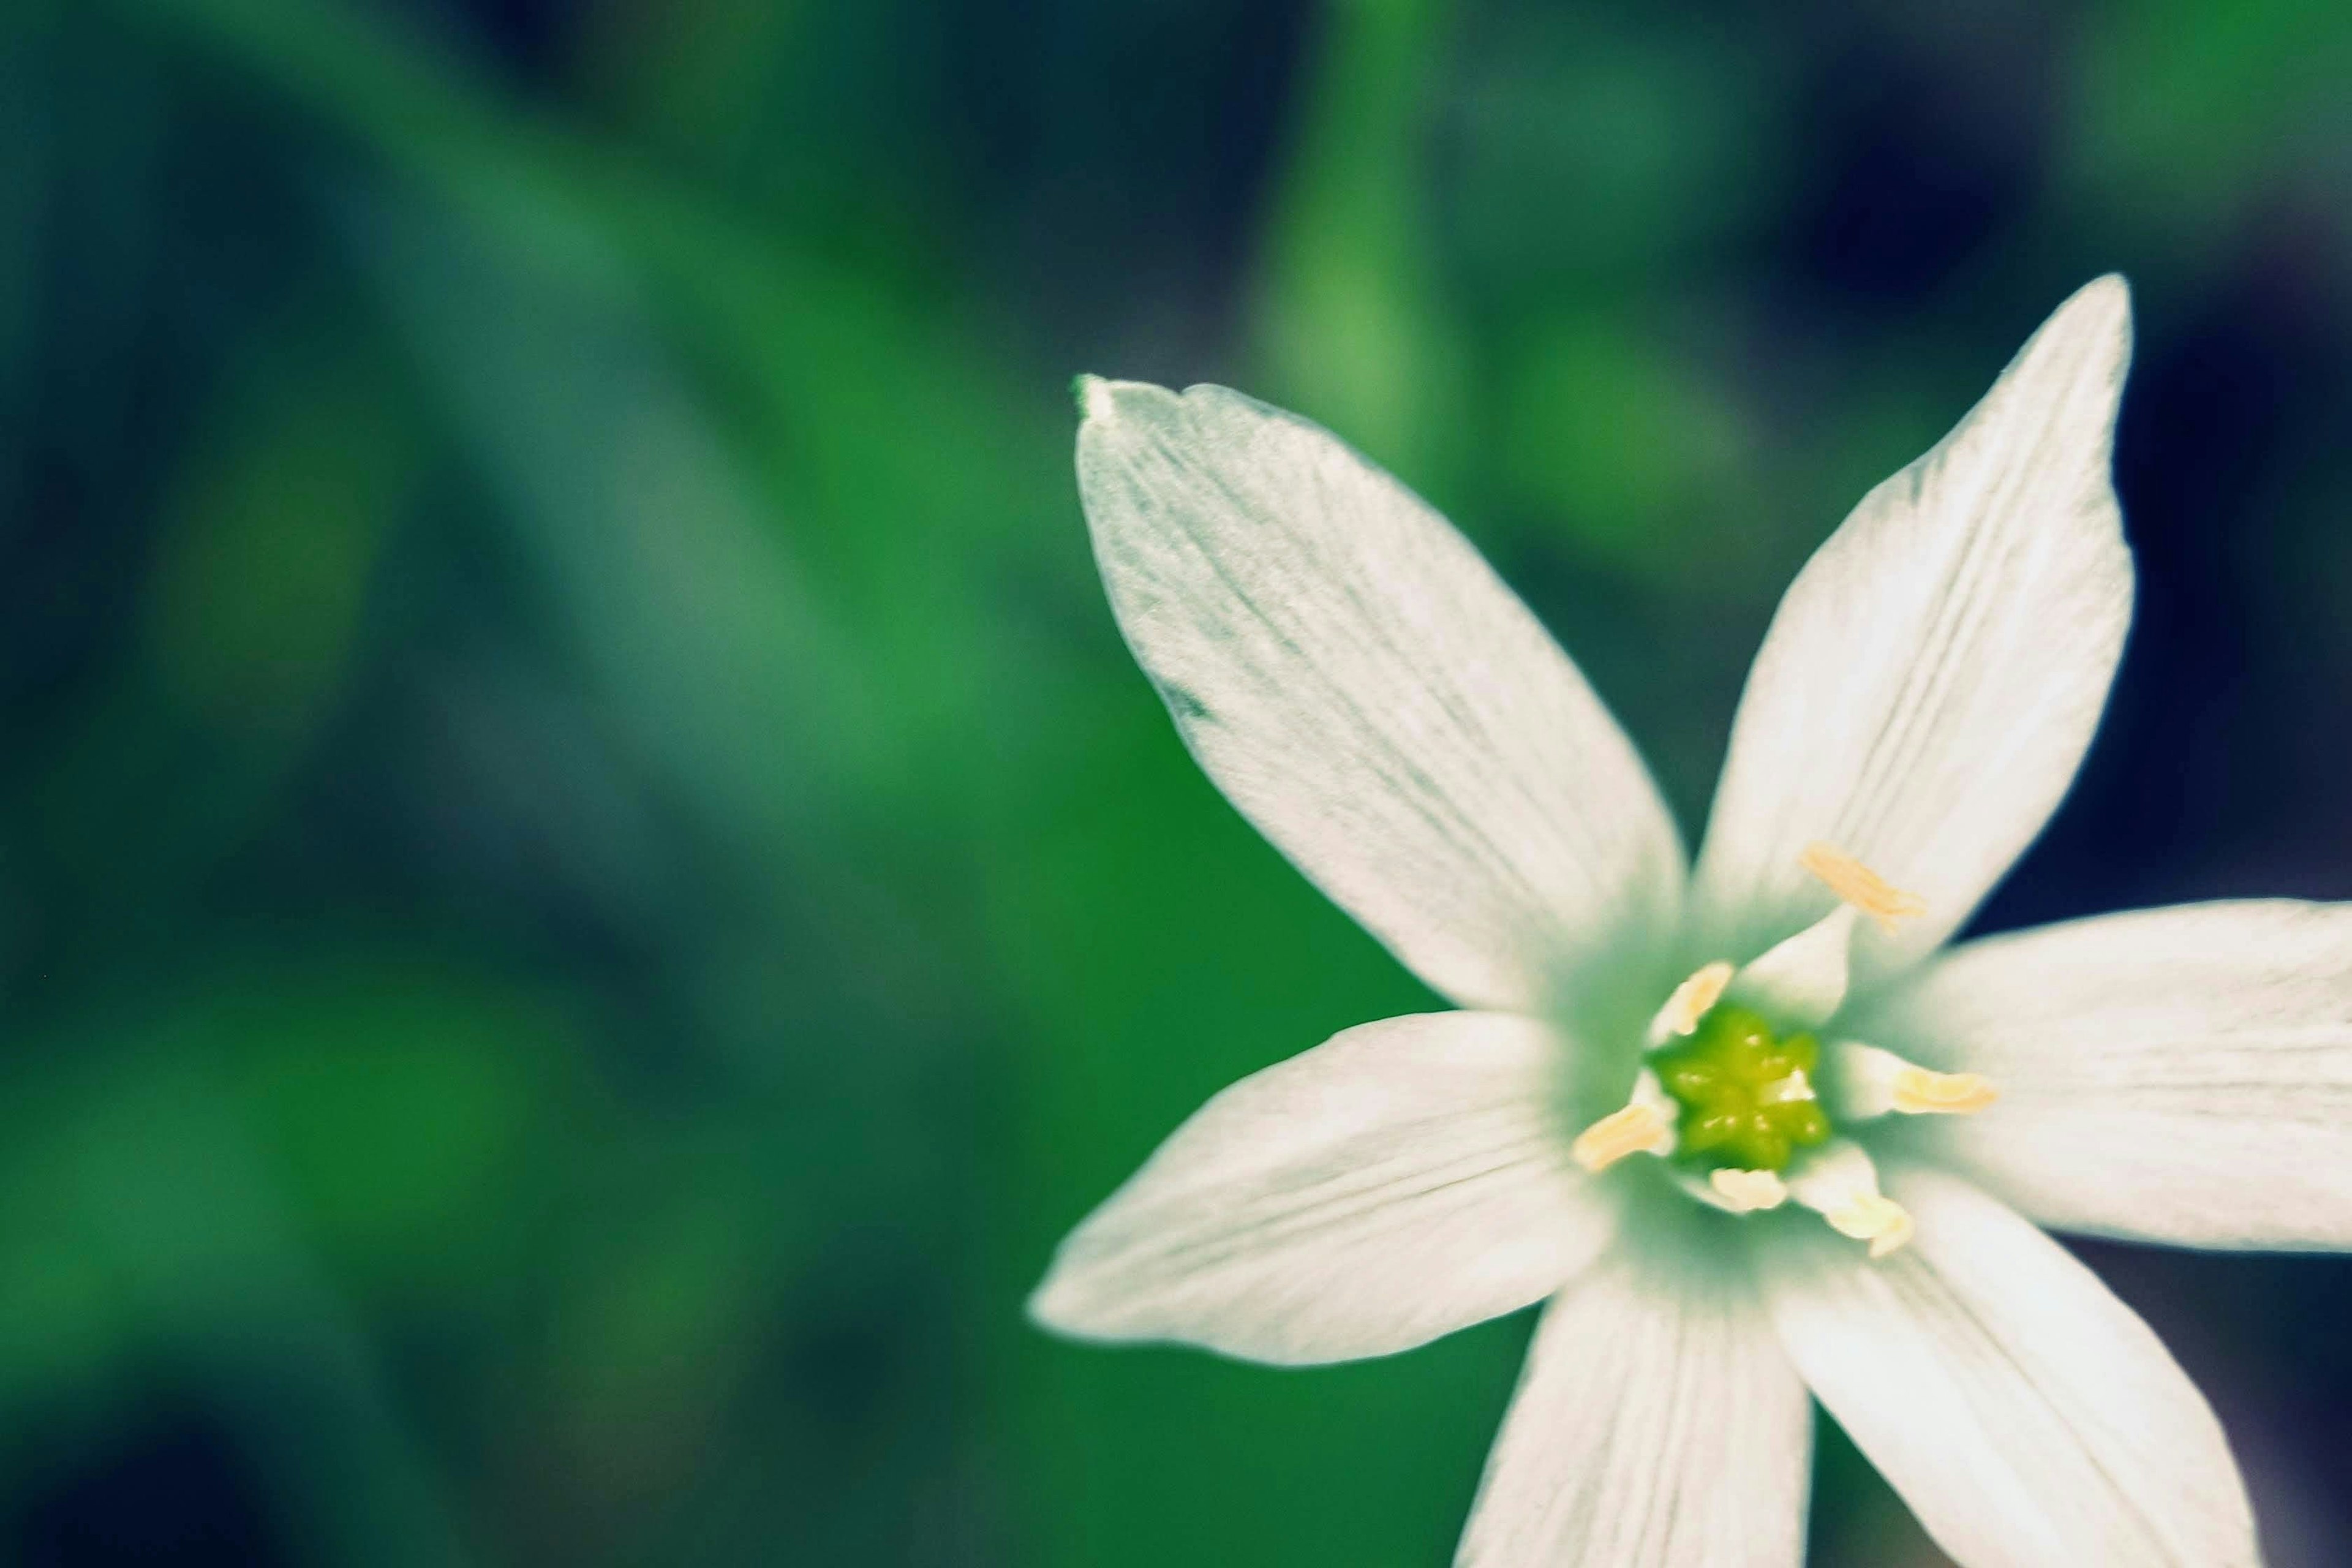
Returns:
point(1744, 1192)
point(1840, 1183)
point(1880, 1221)
point(1860, 886)
point(1920, 1093)
point(1871, 1082)
point(1638, 1128)
point(1690, 1003)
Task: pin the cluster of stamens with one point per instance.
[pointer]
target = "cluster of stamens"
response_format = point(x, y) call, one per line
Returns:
point(1734, 1106)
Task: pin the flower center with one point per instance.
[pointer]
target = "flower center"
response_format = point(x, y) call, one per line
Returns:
point(1746, 1096)
point(1729, 1106)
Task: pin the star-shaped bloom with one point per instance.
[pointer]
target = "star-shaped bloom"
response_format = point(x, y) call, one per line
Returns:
point(1748, 1126)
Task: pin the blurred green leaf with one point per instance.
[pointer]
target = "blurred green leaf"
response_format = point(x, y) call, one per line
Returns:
point(1613, 432)
point(143, 1181)
point(271, 542)
point(1350, 323)
point(2183, 100)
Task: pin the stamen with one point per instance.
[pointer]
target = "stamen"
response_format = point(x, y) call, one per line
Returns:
point(1860, 886)
point(1841, 1184)
point(1744, 1192)
point(1880, 1221)
point(1801, 980)
point(1919, 1093)
point(1638, 1128)
point(1876, 1082)
point(1690, 1003)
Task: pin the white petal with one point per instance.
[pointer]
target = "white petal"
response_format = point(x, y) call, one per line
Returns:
point(2179, 1075)
point(1934, 674)
point(2027, 1415)
point(1658, 1425)
point(1401, 1180)
point(1361, 685)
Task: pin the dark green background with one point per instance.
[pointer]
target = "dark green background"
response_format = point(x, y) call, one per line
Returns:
point(585, 886)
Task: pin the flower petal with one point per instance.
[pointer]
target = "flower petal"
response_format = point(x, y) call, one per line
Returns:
point(1361, 685)
point(1401, 1180)
point(2026, 1415)
point(1658, 1425)
point(2179, 1075)
point(1933, 676)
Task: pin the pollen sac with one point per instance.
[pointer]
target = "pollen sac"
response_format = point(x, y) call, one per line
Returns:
point(1747, 1098)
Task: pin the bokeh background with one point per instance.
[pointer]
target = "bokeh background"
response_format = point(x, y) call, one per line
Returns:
point(585, 885)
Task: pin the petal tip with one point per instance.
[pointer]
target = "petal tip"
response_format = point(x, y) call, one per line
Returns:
point(2112, 290)
point(2103, 307)
point(1051, 1308)
point(1092, 395)
point(1101, 400)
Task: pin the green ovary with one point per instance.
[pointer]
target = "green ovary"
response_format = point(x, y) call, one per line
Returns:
point(1747, 1098)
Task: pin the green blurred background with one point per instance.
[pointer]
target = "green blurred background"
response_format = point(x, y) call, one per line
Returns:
point(585, 886)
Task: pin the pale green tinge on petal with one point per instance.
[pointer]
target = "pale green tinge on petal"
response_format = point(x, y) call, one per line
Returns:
point(1362, 686)
point(1401, 1181)
point(2026, 1415)
point(1933, 676)
point(1658, 1425)
point(2179, 1075)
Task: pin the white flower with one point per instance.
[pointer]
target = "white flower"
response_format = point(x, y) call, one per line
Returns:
point(1746, 1141)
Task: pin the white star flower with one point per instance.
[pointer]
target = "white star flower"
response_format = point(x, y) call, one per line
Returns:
point(1746, 1125)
